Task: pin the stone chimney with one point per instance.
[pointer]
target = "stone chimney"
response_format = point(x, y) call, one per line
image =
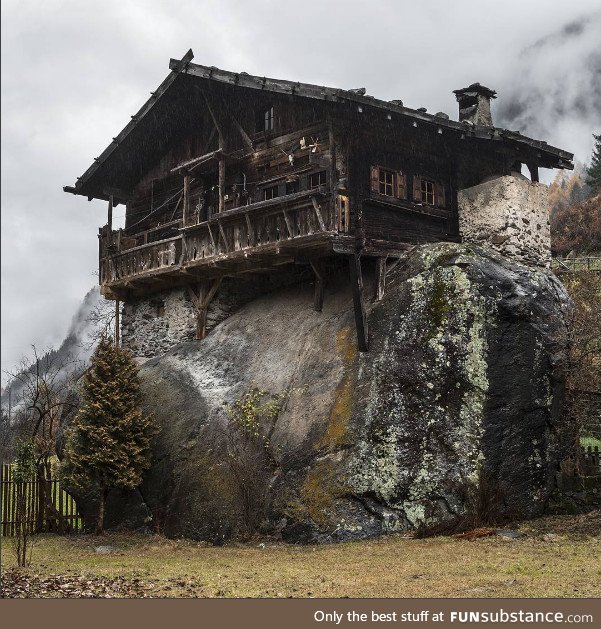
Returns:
point(474, 104)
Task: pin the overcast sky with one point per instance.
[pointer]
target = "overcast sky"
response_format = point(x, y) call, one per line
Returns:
point(74, 71)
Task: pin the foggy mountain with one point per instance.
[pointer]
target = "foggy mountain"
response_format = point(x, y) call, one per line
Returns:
point(75, 350)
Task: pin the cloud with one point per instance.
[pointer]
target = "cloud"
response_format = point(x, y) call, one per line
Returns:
point(73, 73)
point(554, 92)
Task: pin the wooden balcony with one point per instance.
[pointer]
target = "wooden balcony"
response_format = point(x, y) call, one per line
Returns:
point(247, 238)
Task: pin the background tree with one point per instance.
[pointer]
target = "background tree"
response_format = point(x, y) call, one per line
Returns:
point(24, 472)
point(593, 172)
point(108, 443)
point(577, 228)
point(583, 368)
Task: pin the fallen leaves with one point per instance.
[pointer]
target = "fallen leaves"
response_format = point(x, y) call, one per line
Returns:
point(22, 584)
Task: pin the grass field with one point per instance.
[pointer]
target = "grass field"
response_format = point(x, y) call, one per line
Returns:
point(593, 442)
point(556, 557)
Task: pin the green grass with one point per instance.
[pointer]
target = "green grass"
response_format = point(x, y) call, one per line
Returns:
point(590, 441)
point(557, 557)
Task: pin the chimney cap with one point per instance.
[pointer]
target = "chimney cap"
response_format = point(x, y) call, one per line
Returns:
point(473, 89)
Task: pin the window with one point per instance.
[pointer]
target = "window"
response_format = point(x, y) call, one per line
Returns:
point(386, 181)
point(389, 183)
point(268, 119)
point(291, 187)
point(270, 193)
point(317, 179)
point(427, 192)
point(265, 119)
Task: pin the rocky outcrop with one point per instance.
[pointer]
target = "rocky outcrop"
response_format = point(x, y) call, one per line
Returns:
point(458, 402)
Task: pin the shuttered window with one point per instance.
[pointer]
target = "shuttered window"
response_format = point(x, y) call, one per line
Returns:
point(390, 183)
point(428, 192)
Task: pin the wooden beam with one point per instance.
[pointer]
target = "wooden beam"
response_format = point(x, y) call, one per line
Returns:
point(358, 305)
point(222, 232)
point(186, 197)
point(245, 136)
point(317, 209)
point(533, 168)
point(288, 225)
point(212, 238)
point(201, 301)
point(110, 221)
point(318, 269)
point(380, 277)
point(117, 322)
point(221, 184)
point(251, 231)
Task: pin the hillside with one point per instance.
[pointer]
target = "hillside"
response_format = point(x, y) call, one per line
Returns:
point(577, 228)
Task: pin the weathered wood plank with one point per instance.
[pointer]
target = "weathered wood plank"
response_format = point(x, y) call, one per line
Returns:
point(380, 277)
point(317, 208)
point(358, 305)
point(319, 270)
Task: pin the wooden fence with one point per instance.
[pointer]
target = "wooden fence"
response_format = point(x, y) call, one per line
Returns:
point(48, 507)
point(576, 265)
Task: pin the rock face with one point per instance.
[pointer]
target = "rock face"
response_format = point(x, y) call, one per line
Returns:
point(457, 403)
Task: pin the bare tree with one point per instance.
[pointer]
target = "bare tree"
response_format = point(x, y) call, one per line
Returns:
point(583, 366)
point(102, 321)
point(44, 387)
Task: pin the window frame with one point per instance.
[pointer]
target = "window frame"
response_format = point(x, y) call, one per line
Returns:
point(269, 119)
point(318, 174)
point(428, 190)
point(271, 189)
point(396, 188)
point(383, 175)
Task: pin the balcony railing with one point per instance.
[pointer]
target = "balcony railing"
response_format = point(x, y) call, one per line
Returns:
point(266, 225)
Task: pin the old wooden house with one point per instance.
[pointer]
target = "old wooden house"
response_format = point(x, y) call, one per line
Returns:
point(225, 173)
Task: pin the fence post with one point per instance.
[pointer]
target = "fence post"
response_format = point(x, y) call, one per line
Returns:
point(36, 516)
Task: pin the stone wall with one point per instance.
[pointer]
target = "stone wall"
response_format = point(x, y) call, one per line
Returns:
point(150, 326)
point(509, 214)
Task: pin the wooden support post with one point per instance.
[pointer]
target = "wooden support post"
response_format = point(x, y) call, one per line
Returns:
point(222, 232)
point(221, 184)
point(533, 168)
point(186, 200)
point(317, 209)
point(318, 269)
point(110, 222)
point(117, 322)
point(359, 308)
point(380, 277)
point(288, 224)
point(251, 231)
point(201, 301)
point(201, 312)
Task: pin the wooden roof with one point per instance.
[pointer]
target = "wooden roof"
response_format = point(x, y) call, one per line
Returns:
point(98, 179)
